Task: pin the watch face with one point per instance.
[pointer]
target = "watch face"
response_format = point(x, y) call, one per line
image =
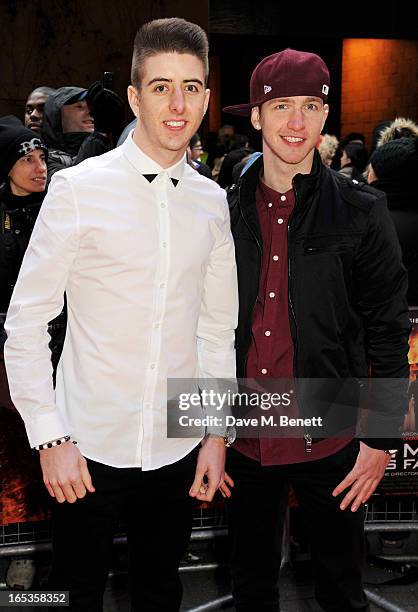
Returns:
point(230, 437)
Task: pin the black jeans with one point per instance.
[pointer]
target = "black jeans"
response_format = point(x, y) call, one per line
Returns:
point(256, 513)
point(158, 513)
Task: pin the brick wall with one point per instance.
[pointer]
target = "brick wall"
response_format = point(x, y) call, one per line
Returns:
point(379, 82)
point(57, 43)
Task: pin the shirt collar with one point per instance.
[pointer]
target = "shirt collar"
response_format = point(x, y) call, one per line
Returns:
point(269, 194)
point(146, 165)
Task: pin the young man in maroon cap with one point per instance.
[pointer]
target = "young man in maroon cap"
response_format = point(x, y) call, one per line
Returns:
point(322, 296)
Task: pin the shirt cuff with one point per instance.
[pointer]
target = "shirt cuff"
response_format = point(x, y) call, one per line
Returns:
point(46, 427)
point(381, 443)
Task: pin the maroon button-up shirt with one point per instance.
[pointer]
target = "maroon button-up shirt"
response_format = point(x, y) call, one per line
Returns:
point(271, 349)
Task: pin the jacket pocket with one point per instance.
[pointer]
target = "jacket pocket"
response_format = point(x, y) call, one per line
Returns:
point(332, 244)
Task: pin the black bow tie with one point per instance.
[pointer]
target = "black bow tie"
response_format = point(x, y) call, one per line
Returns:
point(151, 177)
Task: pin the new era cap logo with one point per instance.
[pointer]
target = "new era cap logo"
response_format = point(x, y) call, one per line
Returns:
point(325, 89)
point(267, 88)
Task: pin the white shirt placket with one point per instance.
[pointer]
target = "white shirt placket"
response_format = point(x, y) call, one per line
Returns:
point(162, 185)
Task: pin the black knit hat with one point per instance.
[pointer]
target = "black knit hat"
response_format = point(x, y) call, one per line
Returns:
point(16, 141)
point(397, 159)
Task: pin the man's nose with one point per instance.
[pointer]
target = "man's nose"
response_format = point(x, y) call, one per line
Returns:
point(297, 120)
point(177, 102)
point(35, 112)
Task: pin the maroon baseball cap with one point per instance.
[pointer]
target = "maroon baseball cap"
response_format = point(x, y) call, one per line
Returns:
point(285, 74)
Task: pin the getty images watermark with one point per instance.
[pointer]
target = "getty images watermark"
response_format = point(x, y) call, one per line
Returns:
point(215, 401)
point(287, 407)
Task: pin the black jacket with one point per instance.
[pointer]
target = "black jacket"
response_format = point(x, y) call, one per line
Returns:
point(17, 217)
point(69, 149)
point(347, 308)
point(402, 197)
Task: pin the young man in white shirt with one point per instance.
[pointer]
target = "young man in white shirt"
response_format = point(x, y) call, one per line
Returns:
point(141, 245)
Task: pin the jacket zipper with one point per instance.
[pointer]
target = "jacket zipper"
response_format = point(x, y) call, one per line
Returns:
point(307, 437)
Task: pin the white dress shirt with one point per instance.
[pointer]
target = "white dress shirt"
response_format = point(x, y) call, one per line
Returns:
point(150, 277)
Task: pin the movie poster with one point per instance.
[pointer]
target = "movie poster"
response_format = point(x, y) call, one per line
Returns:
point(401, 476)
point(24, 499)
point(22, 492)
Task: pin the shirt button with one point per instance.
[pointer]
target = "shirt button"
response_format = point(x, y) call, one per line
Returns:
point(283, 198)
point(269, 204)
point(275, 258)
point(267, 332)
point(264, 371)
point(162, 205)
point(156, 325)
point(152, 366)
point(162, 285)
point(164, 244)
point(272, 294)
point(279, 220)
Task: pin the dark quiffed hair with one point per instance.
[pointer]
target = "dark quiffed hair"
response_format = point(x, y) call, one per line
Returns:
point(167, 36)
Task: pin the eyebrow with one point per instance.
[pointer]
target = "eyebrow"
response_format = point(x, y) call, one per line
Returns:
point(165, 80)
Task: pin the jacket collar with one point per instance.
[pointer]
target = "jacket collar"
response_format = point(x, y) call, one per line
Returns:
point(305, 185)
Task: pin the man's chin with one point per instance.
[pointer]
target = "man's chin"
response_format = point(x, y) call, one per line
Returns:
point(177, 144)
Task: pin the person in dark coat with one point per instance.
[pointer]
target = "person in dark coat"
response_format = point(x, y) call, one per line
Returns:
point(80, 123)
point(240, 149)
point(23, 158)
point(23, 176)
point(34, 107)
point(353, 160)
point(394, 169)
point(322, 305)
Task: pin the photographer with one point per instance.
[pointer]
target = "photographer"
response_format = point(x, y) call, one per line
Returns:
point(80, 123)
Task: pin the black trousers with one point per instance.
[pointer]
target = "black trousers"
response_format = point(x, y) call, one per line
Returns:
point(256, 513)
point(158, 512)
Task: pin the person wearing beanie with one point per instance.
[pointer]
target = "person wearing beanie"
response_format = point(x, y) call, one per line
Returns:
point(22, 188)
point(393, 168)
point(23, 158)
point(322, 304)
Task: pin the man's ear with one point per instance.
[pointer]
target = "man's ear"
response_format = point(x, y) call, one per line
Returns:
point(206, 102)
point(133, 98)
point(255, 118)
point(326, 111)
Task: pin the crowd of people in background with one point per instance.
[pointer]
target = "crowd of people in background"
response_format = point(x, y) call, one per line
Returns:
point(62, 127)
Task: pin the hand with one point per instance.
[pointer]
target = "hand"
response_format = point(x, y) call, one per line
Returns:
point(224, 488)
point(366, 474)
point(65, 473)
point(210, 464)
